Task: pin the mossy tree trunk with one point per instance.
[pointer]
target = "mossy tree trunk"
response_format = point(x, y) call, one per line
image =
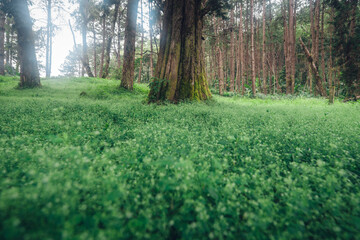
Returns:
point(29, 72)
point(180, 71)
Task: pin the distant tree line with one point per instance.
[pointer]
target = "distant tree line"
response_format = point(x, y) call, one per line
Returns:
point(247, 47)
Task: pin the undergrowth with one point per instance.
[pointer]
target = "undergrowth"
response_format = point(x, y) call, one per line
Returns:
point(106, 165)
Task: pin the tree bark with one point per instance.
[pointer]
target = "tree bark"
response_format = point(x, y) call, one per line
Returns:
point(291, 47)
point(127, 80)
point(84, 17)
point(118, 55)
point(264, 49)
point(253, 78)
point(241, 54)
point(322, 45)
point(109, 41)
point(142, 42)
point(232, 52)
point(29, 72)
point(94, 52)
point(180, 71)
point(151, 44)
point(102, 57)
point(219, 57)
point(2, 38)
point(48, 40)
point(314, 70)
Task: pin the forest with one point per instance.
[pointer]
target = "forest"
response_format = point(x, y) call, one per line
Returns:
point(180, 119)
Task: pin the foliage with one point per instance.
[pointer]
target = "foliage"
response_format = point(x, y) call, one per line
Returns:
point(77, 167)
point(156, 84)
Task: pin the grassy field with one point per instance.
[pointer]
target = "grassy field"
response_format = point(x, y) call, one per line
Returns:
point(81, 159)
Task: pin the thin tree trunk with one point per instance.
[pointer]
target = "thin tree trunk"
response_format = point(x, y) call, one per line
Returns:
point(322, 45)
point(317, 31)
point(220, 58)
point(103, 42)
point(127, 80)
point(291, 47)
point(241, 54)
point(94, 53)
point(253, 78)
point(264, 50)
point(84, 16)
point(119, 42)
point(330, 66)
point(2, 36)
point(142, 42)
point(7, 44)
point(48, 39)
point(151, 44)
point(109, 41)
point(286, 50)
point(232, 52)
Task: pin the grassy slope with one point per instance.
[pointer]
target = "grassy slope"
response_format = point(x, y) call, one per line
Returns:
point(108, 166)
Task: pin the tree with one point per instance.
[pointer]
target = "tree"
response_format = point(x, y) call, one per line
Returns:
point(127, 80)
point(219, 57)
point(2, 40)
point(109, 41)
point(29, 72)
point(232, 51)
point(49, 31)
point(241, 67)
point(151, 42)
point(346, 43)
point(264, 50)
point(84, 21)
point(253, 77)
point(142, 41)
point(180, 71)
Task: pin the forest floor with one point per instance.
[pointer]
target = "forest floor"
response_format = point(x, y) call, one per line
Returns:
point(81, 159)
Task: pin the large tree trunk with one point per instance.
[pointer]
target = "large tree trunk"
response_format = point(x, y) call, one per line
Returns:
point(84, 16)
point(127, 80)
point(48, 40)
point(2, 38)
point(29, 72)
point(253, 78)
point(180, 71)
point(109, 41)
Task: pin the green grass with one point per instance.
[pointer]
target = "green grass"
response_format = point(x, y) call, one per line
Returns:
point(106, 165)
